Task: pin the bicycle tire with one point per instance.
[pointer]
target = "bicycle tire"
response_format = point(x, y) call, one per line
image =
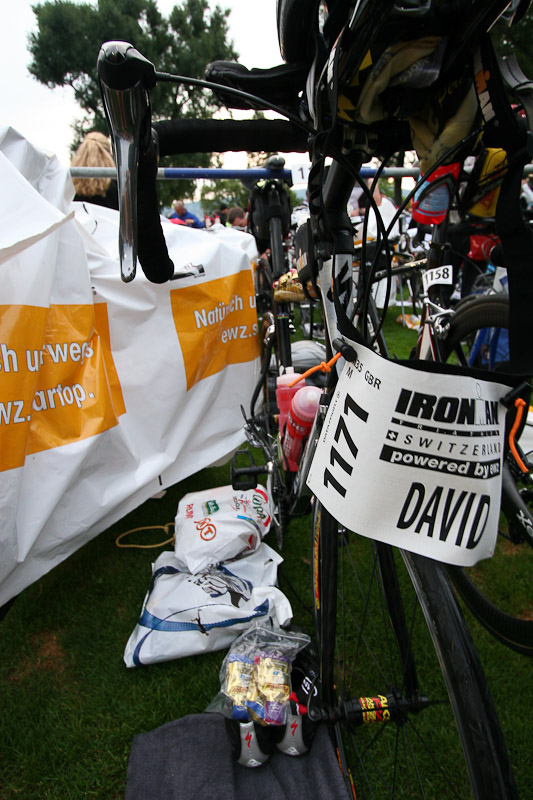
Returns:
point(472, 315)
point(483, 588)
point(295, 29)
point(263, 286)
point(276, 247)
point(455, 730)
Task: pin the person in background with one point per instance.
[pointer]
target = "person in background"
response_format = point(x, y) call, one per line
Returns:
point(387, 210)
point(95, 151)
point(356, 196)
point(223, 214)
point(181, 213)
point(526, 197)
point(218, 218)
point(237, 218)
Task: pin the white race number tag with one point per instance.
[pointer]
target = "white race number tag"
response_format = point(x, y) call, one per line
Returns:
point(300, 172)
point(436, 276)
point(413, 460)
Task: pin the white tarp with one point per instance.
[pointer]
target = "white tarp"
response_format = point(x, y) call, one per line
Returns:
point(109, 392)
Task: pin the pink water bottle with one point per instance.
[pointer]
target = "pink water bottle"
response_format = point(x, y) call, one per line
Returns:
point(285, 393)
point(302, 412)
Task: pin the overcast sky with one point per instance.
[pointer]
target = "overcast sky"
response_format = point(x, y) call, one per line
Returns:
point(44, 116)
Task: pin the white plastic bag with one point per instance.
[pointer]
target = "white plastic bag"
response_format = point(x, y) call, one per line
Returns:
point(185, 614)
point(219, 524)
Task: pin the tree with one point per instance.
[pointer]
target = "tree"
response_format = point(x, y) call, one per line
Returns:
point(65, 47)
point(229, 191)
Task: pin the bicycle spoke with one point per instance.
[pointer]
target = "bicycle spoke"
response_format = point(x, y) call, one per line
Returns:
point(393, 711)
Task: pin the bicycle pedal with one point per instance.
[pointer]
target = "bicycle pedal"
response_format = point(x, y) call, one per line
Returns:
point(245, 477)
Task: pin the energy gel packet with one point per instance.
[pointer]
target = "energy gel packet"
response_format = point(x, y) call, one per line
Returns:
point(273, 682)
point(239, 680)
point(255, 703)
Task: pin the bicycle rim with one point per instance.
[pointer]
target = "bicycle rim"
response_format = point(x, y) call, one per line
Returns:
point(393, 645)
point(505, 626)
point(478, 335)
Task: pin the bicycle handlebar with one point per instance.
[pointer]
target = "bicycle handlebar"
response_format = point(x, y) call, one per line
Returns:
point(125, 77)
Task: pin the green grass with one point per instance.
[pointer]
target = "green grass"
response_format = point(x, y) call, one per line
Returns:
point(70, 708)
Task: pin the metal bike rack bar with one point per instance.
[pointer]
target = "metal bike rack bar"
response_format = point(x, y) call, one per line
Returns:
point(254, 173)
point(188, 173)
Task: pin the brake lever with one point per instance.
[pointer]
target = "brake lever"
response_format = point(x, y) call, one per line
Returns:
point(125, 77)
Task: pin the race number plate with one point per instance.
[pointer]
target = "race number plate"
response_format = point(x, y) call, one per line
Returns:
point(300, 172)
point(437, 276)
point(413, 459)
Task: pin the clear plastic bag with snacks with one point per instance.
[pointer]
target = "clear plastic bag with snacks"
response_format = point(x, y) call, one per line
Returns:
point(255, 677)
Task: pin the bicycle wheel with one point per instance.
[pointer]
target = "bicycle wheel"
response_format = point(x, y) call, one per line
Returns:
point(276, 246)
point(275, 325)
point(479, 333)
point(263, 286)
point(478, 337)
point(295, 29)
point(407, 700)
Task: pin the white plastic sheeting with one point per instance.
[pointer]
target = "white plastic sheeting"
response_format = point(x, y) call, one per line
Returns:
point(109, 392)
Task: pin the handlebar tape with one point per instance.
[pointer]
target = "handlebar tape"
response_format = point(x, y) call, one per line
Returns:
point(151, 246)
point(222, 135)
point(170, 137)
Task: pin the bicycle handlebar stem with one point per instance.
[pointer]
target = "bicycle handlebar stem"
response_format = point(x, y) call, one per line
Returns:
point(125, 77)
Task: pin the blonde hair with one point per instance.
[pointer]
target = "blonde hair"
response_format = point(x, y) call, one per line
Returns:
point(94, 151)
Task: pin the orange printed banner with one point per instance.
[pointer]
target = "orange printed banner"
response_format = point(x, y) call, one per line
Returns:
point(216, 323)
point(78, 346)
point(58, 383)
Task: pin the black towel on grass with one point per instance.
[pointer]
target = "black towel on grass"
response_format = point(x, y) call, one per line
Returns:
point(190, 759)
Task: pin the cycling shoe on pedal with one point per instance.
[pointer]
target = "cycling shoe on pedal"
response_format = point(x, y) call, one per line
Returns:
point(251, 743)
point(296, 736)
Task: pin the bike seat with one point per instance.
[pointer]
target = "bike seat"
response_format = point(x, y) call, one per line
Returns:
point(279, 86)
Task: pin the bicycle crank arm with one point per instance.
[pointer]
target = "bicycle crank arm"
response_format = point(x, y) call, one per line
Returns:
point(125, 77)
